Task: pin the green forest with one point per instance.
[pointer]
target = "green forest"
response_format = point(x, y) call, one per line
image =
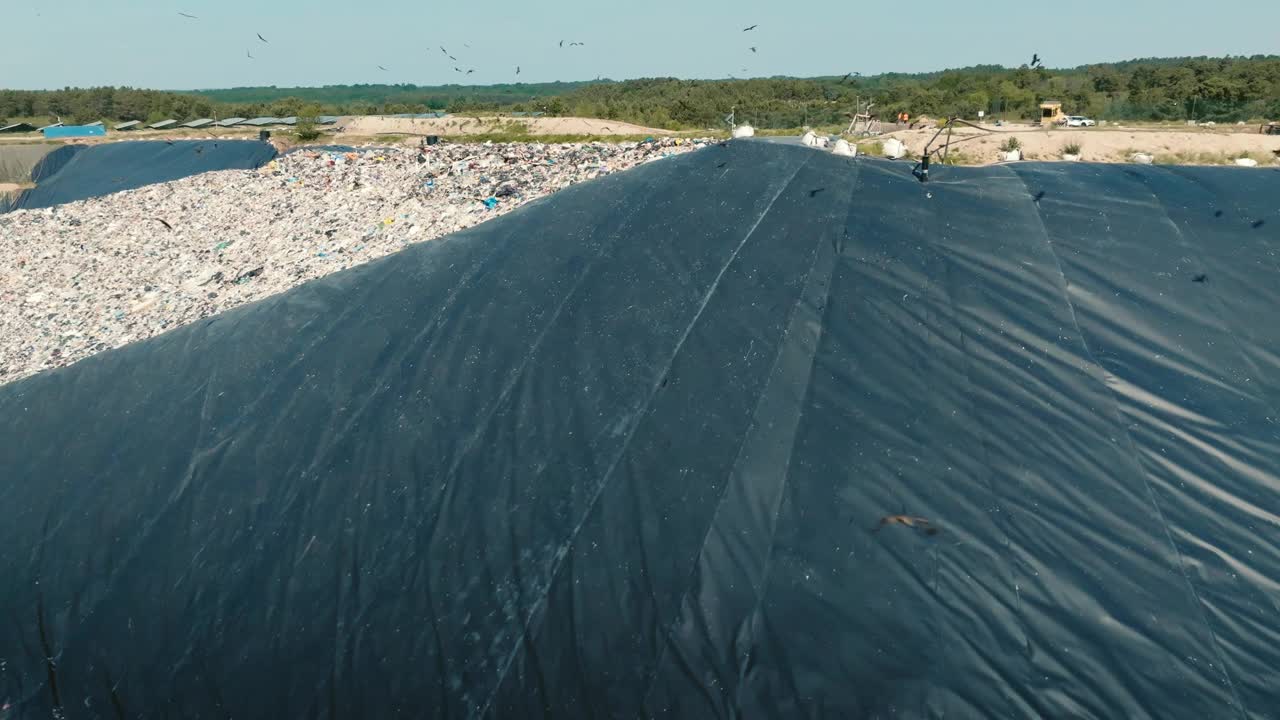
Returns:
point(1160, 89)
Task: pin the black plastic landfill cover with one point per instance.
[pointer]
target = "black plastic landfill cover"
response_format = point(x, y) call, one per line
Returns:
point(627, 452)
point(99, 170)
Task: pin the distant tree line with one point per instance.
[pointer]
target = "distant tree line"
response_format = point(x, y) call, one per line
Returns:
point(1218, 89)
point(84, 105)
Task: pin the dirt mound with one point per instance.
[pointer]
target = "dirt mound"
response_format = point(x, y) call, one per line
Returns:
point(481, 125)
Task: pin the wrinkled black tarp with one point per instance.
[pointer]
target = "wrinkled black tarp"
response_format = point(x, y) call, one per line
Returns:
point(621, 454)
point(103, 169)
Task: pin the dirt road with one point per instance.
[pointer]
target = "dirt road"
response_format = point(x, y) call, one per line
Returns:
point(1110, 144)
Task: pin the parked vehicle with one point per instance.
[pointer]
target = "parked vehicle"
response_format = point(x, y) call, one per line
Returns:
point(1079, 121)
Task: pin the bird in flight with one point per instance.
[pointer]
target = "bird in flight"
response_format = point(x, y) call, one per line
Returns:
point(561, 43)
point(572, 44)
point(471, 70)
point(456, 69)
point(517, 69)
point(753, 27)
point(185, 15)
point(246, 52)
point(162, 222)
point(1035, 60)
point(260, 37)
point(382, 69)
point(753, 49)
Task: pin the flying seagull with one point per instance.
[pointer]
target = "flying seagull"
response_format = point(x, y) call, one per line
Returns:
point(561, 43)
point(261, 38)
point(456, 69)
point(446, 52)
point(517, 69)
point(470, 71)
point(753, 27)
point(1035, 59)
point(162, 222)
point(753, 49)
point(572, 44)
point(383, 69)
point(246, 52)
point(185, 15)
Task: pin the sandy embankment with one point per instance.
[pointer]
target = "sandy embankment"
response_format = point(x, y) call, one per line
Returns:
point(1103, 144)
point(479, 125)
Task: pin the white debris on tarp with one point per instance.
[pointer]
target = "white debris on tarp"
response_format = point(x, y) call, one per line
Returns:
point(97, 274)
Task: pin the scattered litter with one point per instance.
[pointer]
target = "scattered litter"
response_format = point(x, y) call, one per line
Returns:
point(1142, 158)
point(1246, 162)
point(97, 274)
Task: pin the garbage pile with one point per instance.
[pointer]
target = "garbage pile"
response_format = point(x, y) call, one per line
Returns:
point(97, 274)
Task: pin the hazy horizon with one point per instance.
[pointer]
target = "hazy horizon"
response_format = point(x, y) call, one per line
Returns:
point(148, 44)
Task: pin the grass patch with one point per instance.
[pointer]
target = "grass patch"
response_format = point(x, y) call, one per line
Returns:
point(798, 131)
point(960, 157)
point(1072, 148)
point(871, 147)
point(1191, 157)
point(1011, 144)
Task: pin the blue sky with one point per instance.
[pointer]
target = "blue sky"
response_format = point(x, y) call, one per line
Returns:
point(146, 43)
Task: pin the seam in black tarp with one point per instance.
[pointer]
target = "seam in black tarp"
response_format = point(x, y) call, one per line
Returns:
point(514, 377)
point(1137, 458)
point(635, 423)
point(778, 409)
point(1183, 235)
point(1002, 520)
